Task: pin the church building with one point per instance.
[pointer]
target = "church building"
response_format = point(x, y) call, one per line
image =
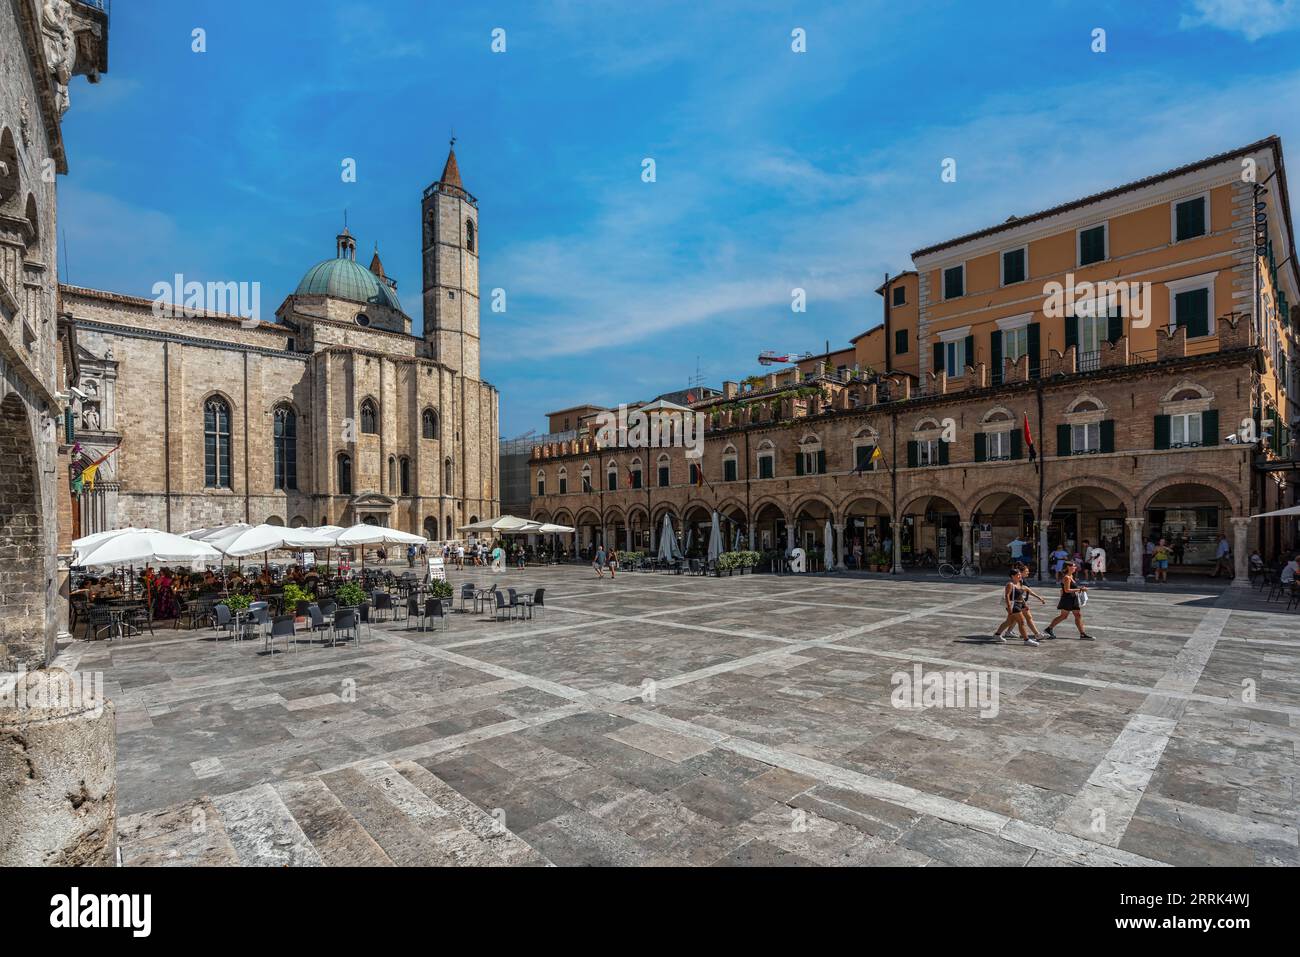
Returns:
point(334, 414)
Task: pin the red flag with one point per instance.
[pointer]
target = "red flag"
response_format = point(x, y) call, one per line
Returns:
point(1029, 439)
point(699, 475)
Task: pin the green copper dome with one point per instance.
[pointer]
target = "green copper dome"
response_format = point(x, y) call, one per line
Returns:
point(345, 279)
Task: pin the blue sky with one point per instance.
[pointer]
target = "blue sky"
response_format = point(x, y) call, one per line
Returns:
point(775, 169)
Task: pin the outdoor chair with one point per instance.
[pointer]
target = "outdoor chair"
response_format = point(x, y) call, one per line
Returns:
point(538, 599)
point(500, 608)
point(433, 610)
point(515, 604)
point(328, 608)
point(383, 603)
point(414, 608)
point(139, 618)
point(317, 622)
point(99, 620)
point(260, 617)
point(222, 620)
point(282, 626)
point(466, 594)
point(348, 622)
point(1293, 599)
point(303, 605)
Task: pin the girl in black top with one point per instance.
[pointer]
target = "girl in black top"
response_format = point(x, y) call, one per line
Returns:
point(1071, 603)
point(1015, 597)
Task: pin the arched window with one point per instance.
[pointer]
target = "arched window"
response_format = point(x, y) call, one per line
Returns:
point(286, 448)
point(611, 476)
point(766, 460)
point(216, 443)
point(586, 478)
point(429, 424)
point(730, 464)
point(369, 418)
point(345, 474)
point(564, 480)
point(541, 482)
point(404, 475)
point(635, 469)
point(431, 528)
point(865, 444)
point(447, 482)
point(448, 526)
point(469, 234)
point(392, 475)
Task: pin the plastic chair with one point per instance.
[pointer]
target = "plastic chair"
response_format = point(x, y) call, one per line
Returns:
point(433, 609)
point(282, 626)
point(347, 620)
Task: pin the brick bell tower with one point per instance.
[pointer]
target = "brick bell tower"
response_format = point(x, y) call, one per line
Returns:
point(449, 223)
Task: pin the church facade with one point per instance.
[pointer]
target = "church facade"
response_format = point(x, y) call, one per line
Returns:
point(334, 414)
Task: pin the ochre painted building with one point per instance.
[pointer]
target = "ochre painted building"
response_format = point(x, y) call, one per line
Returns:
point(1159, 403)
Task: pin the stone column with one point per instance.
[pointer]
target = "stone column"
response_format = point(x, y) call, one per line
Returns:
point(58, 771)
point(967, 553)
point(837, 547)
point(1043, 566)
point(1240, 555)
point(789, 537)
point(627, 534)
point(897, 550)
point(1135, 576)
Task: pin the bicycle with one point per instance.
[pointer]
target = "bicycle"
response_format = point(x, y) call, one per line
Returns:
point(967, 570)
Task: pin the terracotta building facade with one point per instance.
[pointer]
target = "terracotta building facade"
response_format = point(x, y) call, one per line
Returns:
point(1112, 370)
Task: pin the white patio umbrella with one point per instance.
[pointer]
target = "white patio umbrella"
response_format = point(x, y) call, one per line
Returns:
point(828, 549)
point(502, 523)
point(142, 547)
point(715, 540)
point(260, 539)
point(86, 542)
point(376, 535)
point(1293, 511)
point(550, 528)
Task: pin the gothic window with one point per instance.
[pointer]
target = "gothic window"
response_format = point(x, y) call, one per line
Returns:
point(404, 475)
point(541, 483)
point(429, 424)
point(286, 448)
point(369, 418)
point(564, 480)
point(447, 480)
point(586, 478)
point(469, 234)
point(392, 475)
point(345, 474)
point(216, 444)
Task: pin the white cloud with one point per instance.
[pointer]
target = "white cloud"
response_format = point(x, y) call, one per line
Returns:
point(1253, 19)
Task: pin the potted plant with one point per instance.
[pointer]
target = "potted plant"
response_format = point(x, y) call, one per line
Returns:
point(440, 588)
point(293, 594)
point(349, 595)
point(238, 602)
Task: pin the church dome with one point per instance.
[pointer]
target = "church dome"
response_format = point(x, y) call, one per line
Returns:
point(344, 278)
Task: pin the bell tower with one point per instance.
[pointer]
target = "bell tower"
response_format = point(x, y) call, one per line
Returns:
point(449, 224)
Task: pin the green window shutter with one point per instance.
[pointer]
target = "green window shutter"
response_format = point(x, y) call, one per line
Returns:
point(981, 446)
point(798, 463)
point(69, 427)
point(970, 353)
point(1034, 344)
point(1192, 309)
point(1190, 219)
point(1062, 440)
point(995, 355)
point(1108, 435)
point(1114, 329)
point(1071, 331)
point(938, 358)
point(1210, 427)
point(1162, 431)
point(911, 455)
point(943, 452)
point(821, 462)
point(1017, 443)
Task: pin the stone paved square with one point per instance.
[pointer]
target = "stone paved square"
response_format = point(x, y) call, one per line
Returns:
point(746, 720)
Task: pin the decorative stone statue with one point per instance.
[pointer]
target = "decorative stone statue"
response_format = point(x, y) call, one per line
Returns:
point(60, 48)
point(90, 417)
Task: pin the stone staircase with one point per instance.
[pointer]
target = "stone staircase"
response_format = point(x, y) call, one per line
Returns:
point(376, 814)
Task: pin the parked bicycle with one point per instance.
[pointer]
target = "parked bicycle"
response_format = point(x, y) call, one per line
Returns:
point(966, 570)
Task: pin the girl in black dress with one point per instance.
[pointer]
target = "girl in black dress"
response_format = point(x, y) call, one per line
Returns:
point(1071, 603)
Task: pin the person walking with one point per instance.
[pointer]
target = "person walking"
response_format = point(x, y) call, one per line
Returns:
point(1222, 558)
point(598, 562)
point(410, 556)
point(1059, 559)
point(1072, 600)
point(1015, 597)
point(611, 560)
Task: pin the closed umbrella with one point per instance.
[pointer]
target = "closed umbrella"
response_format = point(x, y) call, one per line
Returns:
point(828, 549)
point(667, 541)
point(690, 536)
point(715, 540)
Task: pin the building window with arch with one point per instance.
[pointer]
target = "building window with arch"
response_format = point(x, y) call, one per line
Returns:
point(998, 439)
point(926, 446)
point(448, 478)
point(634, 469)
point(811, 457)
point(541, 483)
point(286, 448)
point(216, 443)
point(1086, 430)
point(345, 473)
point(392, 475)
point(563, 480)
point(767, 460)
point(586, 478)
point(429, 424)
point(369, 418)
point(404, 475)
point(611, 477)
point(730, 464)
point(469, 235)
point(663, 467)
point(1186, 419)
point(866, 443)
